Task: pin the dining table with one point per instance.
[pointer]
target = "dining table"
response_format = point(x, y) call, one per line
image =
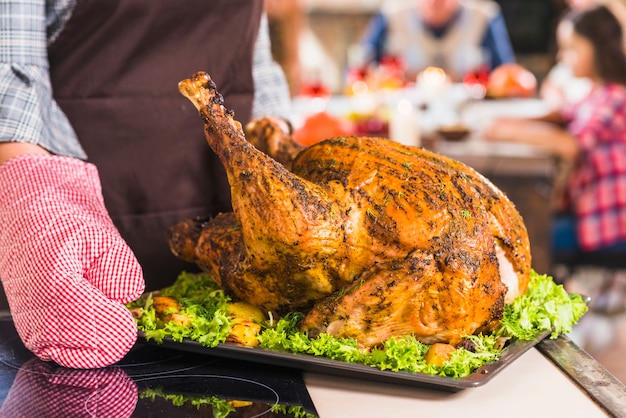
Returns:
point(525, 173)
point(554, 378)
point(551, 377)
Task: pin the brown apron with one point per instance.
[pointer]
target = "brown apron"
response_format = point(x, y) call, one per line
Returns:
point(114, 70)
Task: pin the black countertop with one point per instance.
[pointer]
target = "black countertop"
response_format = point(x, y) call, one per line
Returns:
point(149, 382)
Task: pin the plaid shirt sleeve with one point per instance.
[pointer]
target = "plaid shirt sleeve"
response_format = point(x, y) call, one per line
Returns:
point(598, 185)
point(271, 97)
point(28, 113)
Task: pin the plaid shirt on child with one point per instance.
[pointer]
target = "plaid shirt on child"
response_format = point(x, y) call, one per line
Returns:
point(597, 186)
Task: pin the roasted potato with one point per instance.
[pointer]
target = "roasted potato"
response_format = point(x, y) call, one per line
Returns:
point(439, 353)
point(164, 305)
point(168, 309)
point(245, 323)
point(244, 331)
point(246, 310)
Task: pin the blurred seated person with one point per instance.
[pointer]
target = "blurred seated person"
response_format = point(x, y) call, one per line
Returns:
point(458, 36)
point(590, 135)
point(560, 87)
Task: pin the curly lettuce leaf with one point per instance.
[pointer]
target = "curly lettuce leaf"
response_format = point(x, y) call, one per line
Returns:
point(546, 306)
point(286, 336)
point(201, 301)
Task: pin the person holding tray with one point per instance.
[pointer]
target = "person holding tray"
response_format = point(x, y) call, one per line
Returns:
point(100, 154)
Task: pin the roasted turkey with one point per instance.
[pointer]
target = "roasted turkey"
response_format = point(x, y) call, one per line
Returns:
point(368, 237)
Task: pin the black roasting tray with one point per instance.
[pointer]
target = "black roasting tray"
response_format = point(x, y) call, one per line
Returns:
point(318, 364)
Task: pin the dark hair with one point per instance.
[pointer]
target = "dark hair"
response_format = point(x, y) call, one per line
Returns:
point(604, 31)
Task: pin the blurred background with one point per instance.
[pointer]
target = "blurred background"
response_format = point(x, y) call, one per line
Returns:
point(328, 28)
point(319, 45)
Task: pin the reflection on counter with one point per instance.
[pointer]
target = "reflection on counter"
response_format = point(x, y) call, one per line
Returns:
point(149, 382)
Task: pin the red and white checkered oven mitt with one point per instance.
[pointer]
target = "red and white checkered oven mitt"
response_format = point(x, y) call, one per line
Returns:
point(43, 390)
point(65, 268)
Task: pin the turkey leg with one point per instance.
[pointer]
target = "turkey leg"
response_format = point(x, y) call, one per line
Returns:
point(288, 224)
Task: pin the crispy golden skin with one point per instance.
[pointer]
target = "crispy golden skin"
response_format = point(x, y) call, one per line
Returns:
point(370, 237)
point(273, 137)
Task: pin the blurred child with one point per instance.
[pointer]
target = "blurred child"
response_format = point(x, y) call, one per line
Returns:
point(560, 87)
point(589, 139)
point(590, 134)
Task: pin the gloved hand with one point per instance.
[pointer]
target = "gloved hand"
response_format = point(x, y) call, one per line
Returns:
point(66, 270)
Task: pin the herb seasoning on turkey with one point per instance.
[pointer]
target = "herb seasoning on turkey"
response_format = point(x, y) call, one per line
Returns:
point(371, 238)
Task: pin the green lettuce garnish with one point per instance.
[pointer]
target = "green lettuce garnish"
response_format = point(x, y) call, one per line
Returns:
point(201, 300)
point(546, 306)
